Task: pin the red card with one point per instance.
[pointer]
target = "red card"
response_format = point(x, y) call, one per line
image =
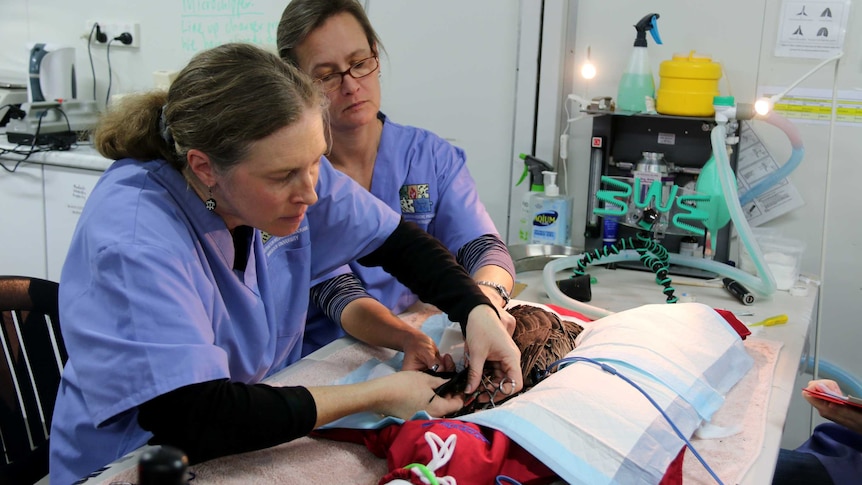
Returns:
point(849, 400)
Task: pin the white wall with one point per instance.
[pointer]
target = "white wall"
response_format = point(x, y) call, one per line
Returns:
point(741, 35)
point(447, 68)
point(431, 79)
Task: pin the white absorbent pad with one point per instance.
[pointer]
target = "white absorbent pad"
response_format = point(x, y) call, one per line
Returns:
point(591, 427)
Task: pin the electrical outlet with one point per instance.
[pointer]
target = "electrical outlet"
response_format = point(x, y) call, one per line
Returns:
point(113, 28)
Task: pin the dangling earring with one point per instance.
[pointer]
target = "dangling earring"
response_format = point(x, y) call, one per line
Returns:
point(211, 202)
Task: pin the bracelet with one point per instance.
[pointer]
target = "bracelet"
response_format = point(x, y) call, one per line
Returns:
point(500, 289)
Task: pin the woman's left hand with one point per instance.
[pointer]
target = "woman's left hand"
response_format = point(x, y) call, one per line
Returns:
point(420, 353)
point(488, 344)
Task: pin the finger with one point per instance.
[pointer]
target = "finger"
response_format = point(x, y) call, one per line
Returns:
point(411, 363)
point(508, 322)
point(442, 405)
point(448, 363)
point(513, 372)
point(474, 372)
point(430, 361)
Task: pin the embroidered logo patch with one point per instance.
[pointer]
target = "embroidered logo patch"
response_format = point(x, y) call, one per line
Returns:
point(415, 199)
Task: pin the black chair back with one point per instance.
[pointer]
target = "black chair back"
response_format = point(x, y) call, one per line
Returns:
point(32, 355)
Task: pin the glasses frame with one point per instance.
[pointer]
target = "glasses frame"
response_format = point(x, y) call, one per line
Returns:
point(349, 71)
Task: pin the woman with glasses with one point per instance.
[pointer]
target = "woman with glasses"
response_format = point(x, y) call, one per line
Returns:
point(171, 313)
point(412, 170)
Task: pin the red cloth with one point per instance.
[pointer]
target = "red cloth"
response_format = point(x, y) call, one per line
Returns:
point(480, 454)
point(734, 322)
point(569, 313)
point(673, 475)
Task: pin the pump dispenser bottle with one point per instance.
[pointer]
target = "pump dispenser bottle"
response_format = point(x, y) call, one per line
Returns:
point(534, 167)
point(552, 214)
point(637, 82)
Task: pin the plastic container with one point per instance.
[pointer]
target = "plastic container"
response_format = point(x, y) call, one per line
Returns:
point(687, 85)
point(688, 246)
point(783, 256)
point(610, 228)
point(745, 262)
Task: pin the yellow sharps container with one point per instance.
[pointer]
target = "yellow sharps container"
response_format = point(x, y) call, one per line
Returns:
point(687, 85)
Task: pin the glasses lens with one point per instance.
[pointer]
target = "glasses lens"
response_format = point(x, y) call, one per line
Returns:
point(364, 67)
point(330, 83)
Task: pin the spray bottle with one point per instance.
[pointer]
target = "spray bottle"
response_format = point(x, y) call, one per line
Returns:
point(637, 82)
point(534, 167)
point(552, 214)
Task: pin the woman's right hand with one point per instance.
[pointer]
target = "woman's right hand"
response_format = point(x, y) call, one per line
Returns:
point(407, 392)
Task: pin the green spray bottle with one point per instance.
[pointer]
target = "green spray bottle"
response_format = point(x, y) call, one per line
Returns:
point(534, 167)
point(637, 82)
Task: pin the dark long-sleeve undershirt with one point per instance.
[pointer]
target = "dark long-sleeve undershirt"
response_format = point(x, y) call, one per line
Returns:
point(217, 418)
point(424, 265)
point(333, 295)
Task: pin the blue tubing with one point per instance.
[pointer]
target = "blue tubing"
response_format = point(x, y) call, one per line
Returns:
point(848, 383)
point(773, 178)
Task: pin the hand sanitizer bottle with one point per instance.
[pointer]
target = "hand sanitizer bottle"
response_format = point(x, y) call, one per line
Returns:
point(534, 168)
point(552, 214)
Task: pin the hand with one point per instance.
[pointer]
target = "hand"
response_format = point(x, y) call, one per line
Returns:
point(420, 352)
point(508, 321)
point(847, 416)
point(489, 345)
point(409, 392)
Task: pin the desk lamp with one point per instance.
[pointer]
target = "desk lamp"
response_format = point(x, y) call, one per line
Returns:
point(764, 105)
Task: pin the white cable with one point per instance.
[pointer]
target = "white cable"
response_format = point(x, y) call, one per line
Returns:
point(564, 161)
point(836, 57)
point(441, 453)
point(823, 240)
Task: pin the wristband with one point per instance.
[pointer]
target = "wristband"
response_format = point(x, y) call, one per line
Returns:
point(500, 289)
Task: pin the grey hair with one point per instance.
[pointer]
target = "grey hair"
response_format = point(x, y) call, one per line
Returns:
point(301, 17)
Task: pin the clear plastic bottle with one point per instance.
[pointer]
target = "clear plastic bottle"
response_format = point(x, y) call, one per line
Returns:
point(637, 82)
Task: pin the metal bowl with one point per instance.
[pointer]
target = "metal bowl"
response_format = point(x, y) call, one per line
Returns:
point(534, 257)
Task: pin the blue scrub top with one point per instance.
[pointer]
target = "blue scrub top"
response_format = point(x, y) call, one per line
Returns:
point(426, 179)
point(150, 302)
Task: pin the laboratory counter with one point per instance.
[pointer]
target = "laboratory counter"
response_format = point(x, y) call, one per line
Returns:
point(758, 403)
point(82, 156)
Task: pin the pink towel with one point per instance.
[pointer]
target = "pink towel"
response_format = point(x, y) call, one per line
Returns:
point(745, 406)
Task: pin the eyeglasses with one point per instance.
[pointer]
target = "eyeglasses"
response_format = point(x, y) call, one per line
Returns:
point(357, 70)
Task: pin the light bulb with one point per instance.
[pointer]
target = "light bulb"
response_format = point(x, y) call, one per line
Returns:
point(588, 70)
point(762, 106)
